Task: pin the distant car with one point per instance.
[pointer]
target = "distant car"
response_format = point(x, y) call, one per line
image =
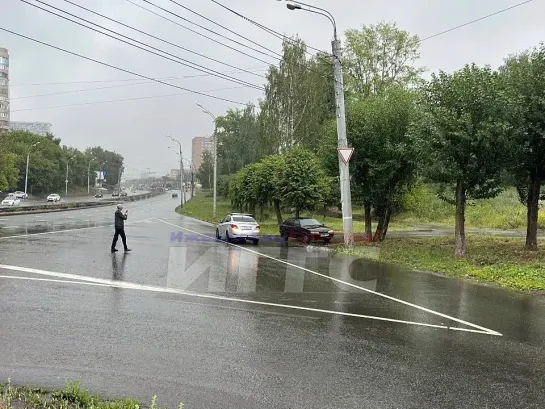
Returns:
point(11, 200)
point(306, 230)
point(99, 195)
point(123, 194)
point(115, 193)
point(53, 197)
point(175, 195)
point(238, 226)
point(20, 195)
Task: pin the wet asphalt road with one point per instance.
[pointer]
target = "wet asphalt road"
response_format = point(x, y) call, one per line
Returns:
point(217, 325)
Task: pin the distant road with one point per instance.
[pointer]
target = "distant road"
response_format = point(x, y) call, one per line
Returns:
point(32, 201)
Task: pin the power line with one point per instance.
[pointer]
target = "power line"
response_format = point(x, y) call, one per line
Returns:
point(477, 20)
point(163, 40)
point(131, 79)
point(121, 100)
point(265, 28)
point(200, 34)
point(118, 68)
point(209, 30)
point(81, 90)
point(225, 28)
point(202, 68)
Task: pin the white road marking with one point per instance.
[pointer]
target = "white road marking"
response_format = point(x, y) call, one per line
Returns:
point(487, 330)
point(68, 230)
point(133, 286)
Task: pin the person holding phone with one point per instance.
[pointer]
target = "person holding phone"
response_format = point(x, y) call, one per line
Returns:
point(120, 218)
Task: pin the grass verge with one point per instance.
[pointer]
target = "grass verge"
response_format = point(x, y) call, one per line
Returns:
point(200, 207)
point(500, 261)
point(71, 397)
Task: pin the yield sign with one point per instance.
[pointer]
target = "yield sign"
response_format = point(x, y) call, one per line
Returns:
point(346, 154)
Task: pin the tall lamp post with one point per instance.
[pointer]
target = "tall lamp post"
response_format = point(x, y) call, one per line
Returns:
point(66, 180)
point(27, 162)
point(215, 153)
point(182, 189)
point(344, 171)
point(89, 171)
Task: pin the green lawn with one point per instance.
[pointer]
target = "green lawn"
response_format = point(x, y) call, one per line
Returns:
point(72, 397)
point(502, 261)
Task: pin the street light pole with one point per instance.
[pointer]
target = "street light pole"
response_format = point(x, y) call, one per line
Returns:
point(27, 162)
point(66, 180)
point(182, 190)
point(88, 171)
point(215, 153)
point(342, 142)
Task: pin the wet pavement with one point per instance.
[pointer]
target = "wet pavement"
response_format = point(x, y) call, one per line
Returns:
point(220, 325)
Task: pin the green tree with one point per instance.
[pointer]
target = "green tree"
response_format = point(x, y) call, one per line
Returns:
point(238, 143)
point(9, 174)
point(464, 132)
point(525, 78)
point(299, 98)
point(206, 170)
point(303, 184)
point(267, 182)
point(385, 158)
point(378, 57)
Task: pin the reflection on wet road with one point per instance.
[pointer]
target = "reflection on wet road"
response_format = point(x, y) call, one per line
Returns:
point(274, 325)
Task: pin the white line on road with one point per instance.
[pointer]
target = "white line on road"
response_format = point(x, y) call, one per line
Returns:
point(133, 286)
point(487, 330)
point(69, 230)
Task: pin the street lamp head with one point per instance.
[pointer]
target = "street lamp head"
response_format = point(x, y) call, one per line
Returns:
point(293, 6)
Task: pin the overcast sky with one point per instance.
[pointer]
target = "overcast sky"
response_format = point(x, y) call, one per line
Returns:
point(137, 128)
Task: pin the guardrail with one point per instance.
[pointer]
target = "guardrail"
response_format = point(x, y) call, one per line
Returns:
point(60, 207)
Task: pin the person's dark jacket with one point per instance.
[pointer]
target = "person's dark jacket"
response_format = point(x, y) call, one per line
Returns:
point(120, 219)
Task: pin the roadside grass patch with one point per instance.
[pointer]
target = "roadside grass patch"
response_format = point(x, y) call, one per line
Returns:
point(504, 212)
point(497, 260)
point(71, 397)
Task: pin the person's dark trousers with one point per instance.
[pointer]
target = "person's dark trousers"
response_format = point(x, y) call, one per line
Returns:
point(119, 232)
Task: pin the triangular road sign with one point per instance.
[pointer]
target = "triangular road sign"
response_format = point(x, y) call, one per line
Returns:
point(346, 154)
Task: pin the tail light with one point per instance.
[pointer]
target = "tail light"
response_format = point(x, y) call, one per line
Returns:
point(234, 226)
point(258, 227)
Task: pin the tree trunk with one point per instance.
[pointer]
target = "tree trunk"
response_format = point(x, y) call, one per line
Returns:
point(459, 228)
point(385, 223)
point(297, 212)
point(261, 210)
point(278, 212)
point(381, 212)
point(368, 221)
point(532, 206)
point(251, 209)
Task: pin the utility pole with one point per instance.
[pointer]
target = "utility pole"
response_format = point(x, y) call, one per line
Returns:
point(88, 171)
point(215, 153)
point(66, 180)
point(342, 142)
point(182, 190)
point(27, 162)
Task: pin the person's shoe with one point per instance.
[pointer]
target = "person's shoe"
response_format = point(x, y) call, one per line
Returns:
point(127, 250)
point(114, 250)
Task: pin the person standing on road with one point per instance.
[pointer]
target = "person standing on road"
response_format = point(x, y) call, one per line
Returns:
point(120, 218)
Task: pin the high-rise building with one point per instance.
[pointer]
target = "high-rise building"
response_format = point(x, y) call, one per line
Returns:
point(199, 145)
point(40, 128)
point(4, 89)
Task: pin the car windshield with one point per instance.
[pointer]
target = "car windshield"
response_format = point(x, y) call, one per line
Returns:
point(244, 219)
point(310, 223)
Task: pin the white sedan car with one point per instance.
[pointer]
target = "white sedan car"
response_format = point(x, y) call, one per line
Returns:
point(53, 198)
point(11, 200)
point(238, 226)
point(21, 195)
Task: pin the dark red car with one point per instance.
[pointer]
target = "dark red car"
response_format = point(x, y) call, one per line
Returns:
point(306, 230)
